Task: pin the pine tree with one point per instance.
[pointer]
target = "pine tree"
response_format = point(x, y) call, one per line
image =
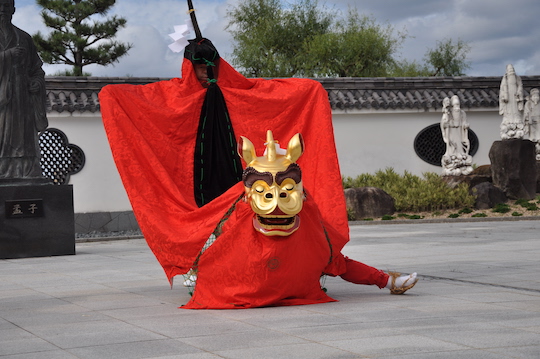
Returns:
point(77, 41)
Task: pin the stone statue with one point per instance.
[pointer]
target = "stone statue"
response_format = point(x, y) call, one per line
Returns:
point(532, 119)
point(22, 101)
point(511, 105)
point(455, 131)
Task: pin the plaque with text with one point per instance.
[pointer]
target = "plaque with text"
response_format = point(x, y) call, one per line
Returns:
point(24, 208)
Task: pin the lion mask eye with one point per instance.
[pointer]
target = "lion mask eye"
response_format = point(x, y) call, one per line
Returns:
point(288, 187)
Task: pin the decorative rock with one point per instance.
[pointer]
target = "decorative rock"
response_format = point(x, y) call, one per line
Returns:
point(369, 202)
point(487, 195)
point(469, 180)
point(479, 175)
point(454, 181)
point(537, 176)
point(513, 166)
point(484, 170)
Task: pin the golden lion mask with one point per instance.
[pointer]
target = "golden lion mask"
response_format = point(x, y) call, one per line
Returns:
point(273, 185)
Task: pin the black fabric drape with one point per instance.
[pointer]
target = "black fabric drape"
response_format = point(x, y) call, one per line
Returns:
point(217, 165)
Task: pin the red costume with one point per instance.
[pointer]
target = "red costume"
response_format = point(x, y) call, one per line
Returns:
point(152, 130)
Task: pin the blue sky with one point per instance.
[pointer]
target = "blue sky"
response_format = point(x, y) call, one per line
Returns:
point(499, 31)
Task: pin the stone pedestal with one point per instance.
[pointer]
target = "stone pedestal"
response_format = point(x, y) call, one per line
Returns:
point(513, 167)
point(36, 221)
point(471, 180)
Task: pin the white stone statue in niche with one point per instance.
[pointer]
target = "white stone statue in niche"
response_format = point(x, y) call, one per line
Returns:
point(455, 132)
point(532, 119)
point(511, 105)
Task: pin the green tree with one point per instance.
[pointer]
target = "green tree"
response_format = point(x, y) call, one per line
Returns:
point(356, 46)
point(449, 58)
point(269, 37)
point(274, 39)
point(77, 41)
point(405, 68)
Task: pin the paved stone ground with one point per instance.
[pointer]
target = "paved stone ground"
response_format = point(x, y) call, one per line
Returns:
point(479, 297)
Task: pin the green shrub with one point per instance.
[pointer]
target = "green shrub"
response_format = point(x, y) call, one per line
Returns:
point(526, 204)
point(368, 219)
point(465, 210)
point(414, 194)
point(479, 215)
point(522, 202)
point(415, 216)
point(517, 214)
point(453, 215)
point(351, 214)
point(387, 217)
point(501, 208)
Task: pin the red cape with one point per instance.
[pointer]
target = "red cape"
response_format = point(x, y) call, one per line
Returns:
point(152, 130)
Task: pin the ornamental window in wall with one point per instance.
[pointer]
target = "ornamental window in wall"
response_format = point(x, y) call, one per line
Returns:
point(59, 158)
point(430, 147)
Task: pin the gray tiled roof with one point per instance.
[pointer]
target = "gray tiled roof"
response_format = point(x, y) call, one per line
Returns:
point(416, 92)
point(80, 94)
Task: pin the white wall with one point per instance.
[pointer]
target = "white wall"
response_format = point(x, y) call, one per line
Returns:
point(366, 142)
point(371, 141)
point(97, 188)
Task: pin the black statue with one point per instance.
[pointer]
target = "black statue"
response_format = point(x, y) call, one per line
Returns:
point(22, 101)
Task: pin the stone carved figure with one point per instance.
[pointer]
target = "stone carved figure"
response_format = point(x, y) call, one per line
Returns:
point(455, 132)
point(532, 118)
point(511, 105)
point(22, 100)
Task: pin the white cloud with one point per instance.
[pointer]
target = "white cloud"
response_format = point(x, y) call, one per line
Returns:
point(147, 57)
point(28, 18)
point(498, 31)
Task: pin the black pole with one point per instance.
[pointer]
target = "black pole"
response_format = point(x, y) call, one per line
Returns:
point(198, 35)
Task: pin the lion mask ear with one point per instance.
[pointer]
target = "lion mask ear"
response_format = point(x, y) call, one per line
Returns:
point(295, 148)
point(246, 150)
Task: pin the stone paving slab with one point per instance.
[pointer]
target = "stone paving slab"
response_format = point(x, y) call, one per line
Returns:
point(479, 297)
